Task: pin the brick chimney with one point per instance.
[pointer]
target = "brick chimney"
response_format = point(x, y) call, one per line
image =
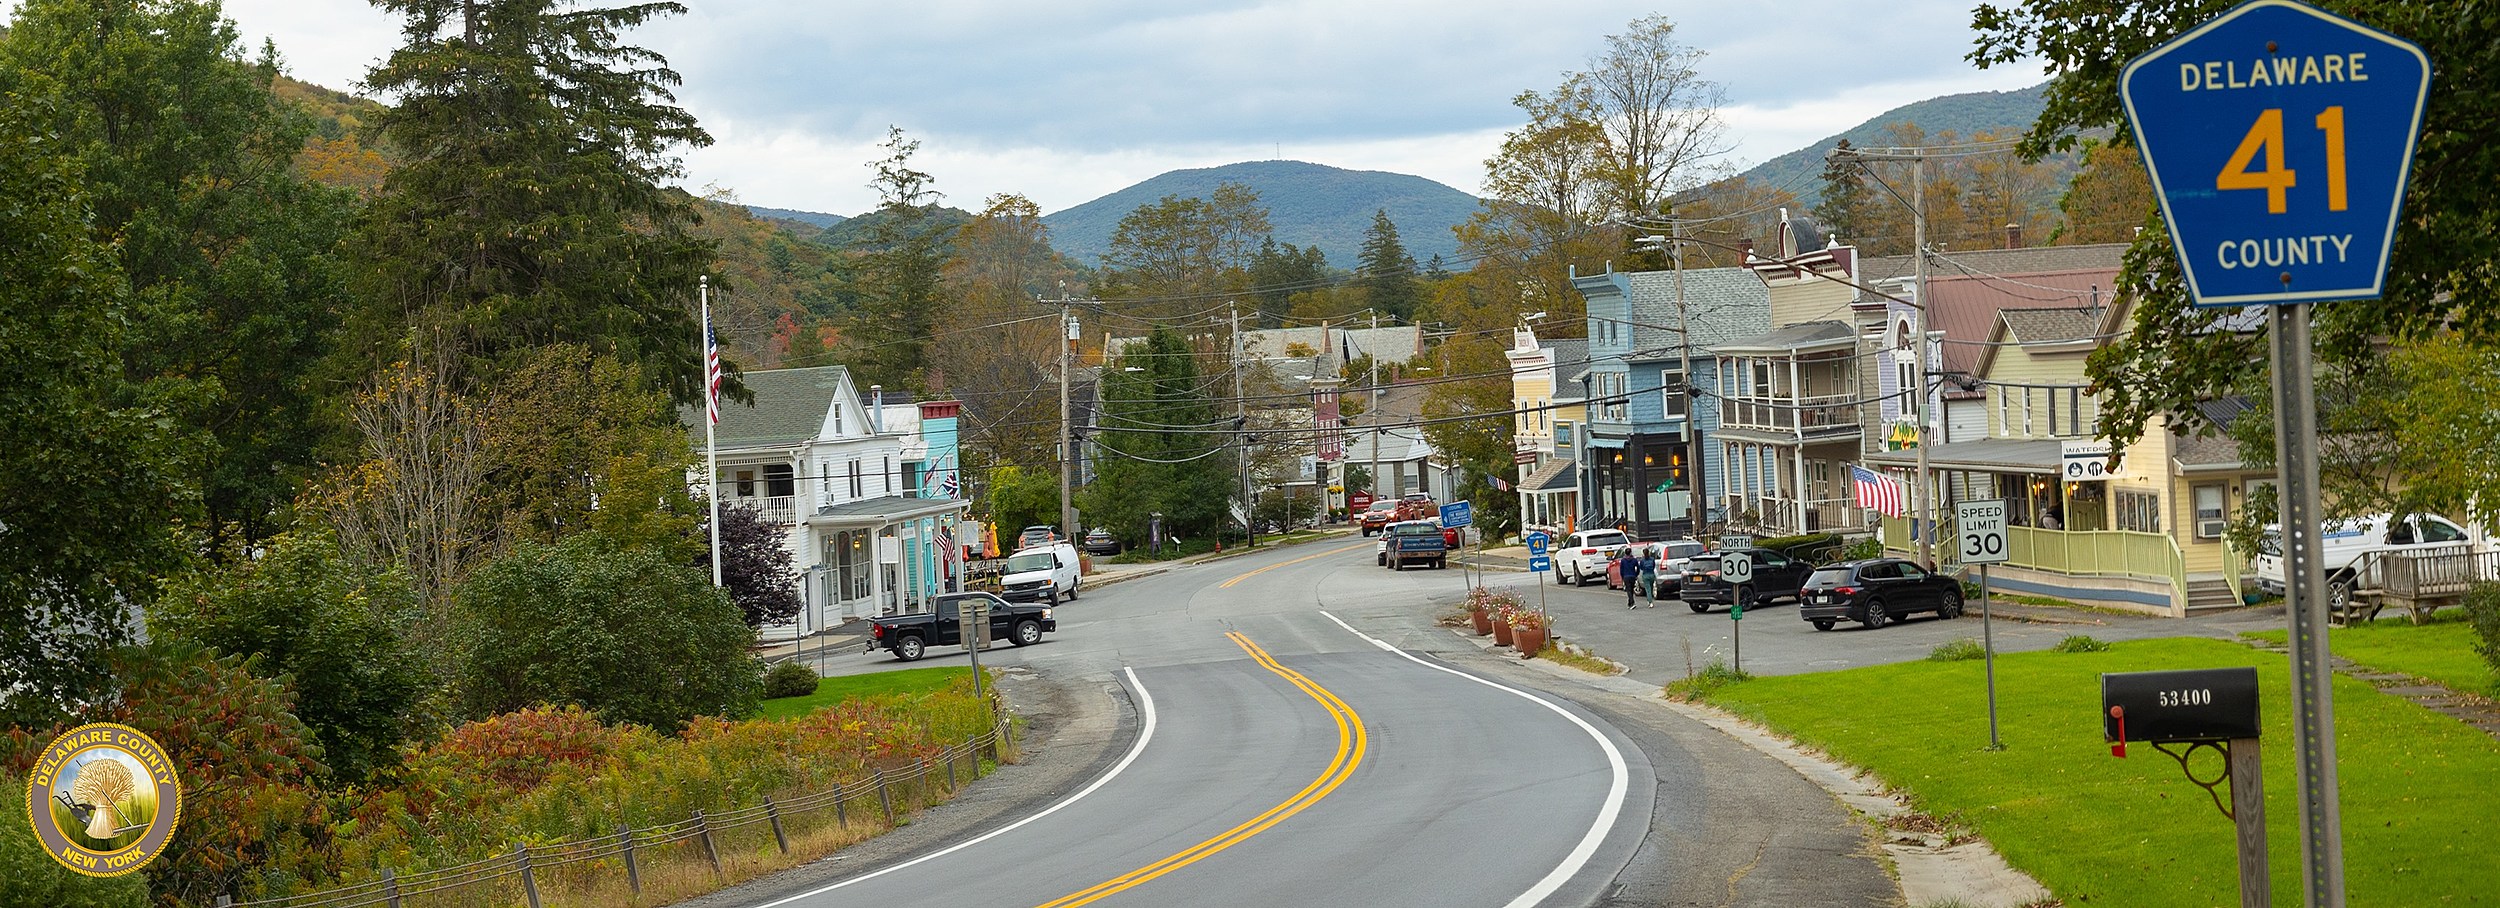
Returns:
point(2013, 236)
point(1745, 246)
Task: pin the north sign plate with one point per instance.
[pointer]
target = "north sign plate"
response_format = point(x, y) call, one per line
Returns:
point(2279, 138)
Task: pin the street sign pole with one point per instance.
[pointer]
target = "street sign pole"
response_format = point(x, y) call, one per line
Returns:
point(2279, 139)
point(2304, 599)
point(1988, 644)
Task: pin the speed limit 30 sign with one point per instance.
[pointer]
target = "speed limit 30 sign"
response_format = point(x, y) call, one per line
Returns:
point(1982, 531)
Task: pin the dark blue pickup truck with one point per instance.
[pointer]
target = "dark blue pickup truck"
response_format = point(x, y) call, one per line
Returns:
point(1416, 542)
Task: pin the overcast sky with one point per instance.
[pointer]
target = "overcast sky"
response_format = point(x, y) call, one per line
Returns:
point(1066, 101)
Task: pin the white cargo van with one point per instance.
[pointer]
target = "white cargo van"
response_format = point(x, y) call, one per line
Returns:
point(2343, 543)
point(1043, 573)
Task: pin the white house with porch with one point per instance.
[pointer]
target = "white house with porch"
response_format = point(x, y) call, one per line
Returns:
point(866, 498)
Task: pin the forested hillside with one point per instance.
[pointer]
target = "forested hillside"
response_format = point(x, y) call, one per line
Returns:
point(1308, 205)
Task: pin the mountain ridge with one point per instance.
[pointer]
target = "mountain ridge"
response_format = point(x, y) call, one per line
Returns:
point(1308, 204)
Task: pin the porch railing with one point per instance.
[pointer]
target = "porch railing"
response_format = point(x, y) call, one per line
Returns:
point(1790, 414)
point(779, 510)
point(1772, 512)
point(2081, 553)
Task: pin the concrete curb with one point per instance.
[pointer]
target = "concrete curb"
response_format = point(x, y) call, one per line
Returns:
point(1929, 870)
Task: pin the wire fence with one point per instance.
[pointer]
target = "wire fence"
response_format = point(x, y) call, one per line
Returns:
point(711, 847)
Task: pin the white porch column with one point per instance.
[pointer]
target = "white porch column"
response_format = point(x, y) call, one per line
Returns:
point(1801, 489)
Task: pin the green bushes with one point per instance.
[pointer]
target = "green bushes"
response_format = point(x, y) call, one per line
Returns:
point(1957, 651)
point(2482, 609)
point(624, 631)
point(2079, 643)
point(1709, 680)
point(27, 877)
point(789, 679)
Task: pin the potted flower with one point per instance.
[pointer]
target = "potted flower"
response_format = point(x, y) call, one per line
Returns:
point(1529, 629)
point(1502, 614)
point(1480, 611)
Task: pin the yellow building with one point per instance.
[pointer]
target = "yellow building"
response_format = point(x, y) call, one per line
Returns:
point(1548, 417)
point(2147, 537)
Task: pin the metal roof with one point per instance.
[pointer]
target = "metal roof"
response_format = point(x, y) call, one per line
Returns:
point(1553, 476)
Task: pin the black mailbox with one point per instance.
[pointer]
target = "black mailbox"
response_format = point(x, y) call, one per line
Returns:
point(2205, 704)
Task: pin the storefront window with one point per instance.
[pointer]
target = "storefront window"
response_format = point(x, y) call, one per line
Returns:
point(2139, 512)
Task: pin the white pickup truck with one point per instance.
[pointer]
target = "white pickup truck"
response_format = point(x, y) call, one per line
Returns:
point(2344, 544)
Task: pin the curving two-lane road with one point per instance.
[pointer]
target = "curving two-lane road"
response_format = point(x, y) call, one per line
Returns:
point(1298, 732)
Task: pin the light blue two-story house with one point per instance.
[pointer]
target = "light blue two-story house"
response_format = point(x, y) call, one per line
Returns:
point(1643, 457)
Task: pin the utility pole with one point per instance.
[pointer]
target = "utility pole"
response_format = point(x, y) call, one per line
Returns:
point(1241, 430)
point(1926, 494)
point(1378, 427)
point(1699, 480)
point(1067, 448)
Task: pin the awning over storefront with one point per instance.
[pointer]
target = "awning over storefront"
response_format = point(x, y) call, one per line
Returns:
point(869, 512)
point(1987, 455)
point(1554, 476)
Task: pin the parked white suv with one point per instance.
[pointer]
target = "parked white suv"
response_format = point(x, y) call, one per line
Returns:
point(1581, 558)
point(2344, 542)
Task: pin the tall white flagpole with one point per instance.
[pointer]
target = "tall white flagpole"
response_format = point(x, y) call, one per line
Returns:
point(711, 418)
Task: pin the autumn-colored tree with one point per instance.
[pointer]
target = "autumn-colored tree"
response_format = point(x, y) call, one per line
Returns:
point(1001, 344)
point(413, 496)
point(2110, 200)
point(1659, 115)
point(1724, 212)
point(573, 440)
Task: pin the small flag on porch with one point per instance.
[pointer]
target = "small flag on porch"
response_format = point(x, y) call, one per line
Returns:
point(1882, 493)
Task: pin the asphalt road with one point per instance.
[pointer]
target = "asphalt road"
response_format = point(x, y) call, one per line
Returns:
point(1292, 728)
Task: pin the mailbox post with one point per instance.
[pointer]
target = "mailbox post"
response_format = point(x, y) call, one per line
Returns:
point(2212, 707)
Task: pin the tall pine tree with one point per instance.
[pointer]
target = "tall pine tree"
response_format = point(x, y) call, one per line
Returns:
point(530, 209)
point(900, 276)
point(1846, 196)
point(1164, 446)
point(1388, 272)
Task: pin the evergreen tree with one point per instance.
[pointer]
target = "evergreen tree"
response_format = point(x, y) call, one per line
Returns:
point(899, 278)
point(1388, 272)
point(229, 256)
point(1279, 272)
point(531, 208)
point(1164, 448)
point(1846, 196)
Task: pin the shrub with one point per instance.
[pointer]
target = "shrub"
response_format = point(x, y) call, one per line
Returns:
point(1869, 547)
point(2482, 608)
point(623, 631)
point(2079, 643)
point(1810, 546)
point(334, 626)
point(789, 679)
point(1713, 676)
point(27, 877)
point(1957, 651)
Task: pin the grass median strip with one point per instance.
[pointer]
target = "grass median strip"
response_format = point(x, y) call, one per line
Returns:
point(829, 691)
point(2417, 787)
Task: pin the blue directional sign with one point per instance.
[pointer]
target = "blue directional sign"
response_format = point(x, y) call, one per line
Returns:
point(1537, 542)
point(2279, 138)
point(1540, 563)
point(1458, 514)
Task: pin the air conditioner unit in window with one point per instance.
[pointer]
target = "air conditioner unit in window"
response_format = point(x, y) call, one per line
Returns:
point(2209, 529)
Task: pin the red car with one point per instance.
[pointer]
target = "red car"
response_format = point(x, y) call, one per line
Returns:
point(1379, 516)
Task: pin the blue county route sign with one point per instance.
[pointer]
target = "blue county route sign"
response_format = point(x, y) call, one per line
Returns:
point(2279, 138)
point(1537, 543)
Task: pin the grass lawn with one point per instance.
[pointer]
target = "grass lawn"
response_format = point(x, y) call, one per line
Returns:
point(2441, 651)
point(2420, 792)
point(830, 691)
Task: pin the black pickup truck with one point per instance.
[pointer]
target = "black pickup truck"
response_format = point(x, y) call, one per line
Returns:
point(910, 636)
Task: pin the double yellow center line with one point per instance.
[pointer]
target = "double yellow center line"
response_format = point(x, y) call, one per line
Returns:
point(1351, 743)
point(1340, 550)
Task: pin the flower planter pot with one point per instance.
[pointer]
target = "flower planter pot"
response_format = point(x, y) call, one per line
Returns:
point(1483, 621)
point(1501, 633)
point(1531, 640)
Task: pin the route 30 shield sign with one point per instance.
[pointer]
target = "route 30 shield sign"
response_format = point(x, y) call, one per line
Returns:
point(2279, 138)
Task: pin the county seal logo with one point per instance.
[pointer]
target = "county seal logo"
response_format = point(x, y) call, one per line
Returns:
point(103, 799)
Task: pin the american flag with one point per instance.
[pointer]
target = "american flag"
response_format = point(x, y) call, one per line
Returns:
point(948, 484)
point(1499, 484)
point(711, 372)
point(1880, 492)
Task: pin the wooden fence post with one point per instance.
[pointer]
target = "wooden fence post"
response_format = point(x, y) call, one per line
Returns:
point(885, 799)
point(633, 870)
point(774, 814)
point(951, 784)
point(390, 887)
point(703, 829)
point(529, 881)
point(841, 813)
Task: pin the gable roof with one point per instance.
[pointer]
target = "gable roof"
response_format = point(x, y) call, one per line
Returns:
point(1720, 304)
point(2049, 326)
point(790, 407)
point(1965, 308)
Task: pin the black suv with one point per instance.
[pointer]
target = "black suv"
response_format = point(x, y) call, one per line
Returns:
point(1875, 591)
point(1775, 576)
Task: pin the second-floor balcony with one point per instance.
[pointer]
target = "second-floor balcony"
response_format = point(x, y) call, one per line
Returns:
point(1802, 416)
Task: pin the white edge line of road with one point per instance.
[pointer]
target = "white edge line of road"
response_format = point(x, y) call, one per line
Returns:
point(1146, 732)
point(1615, 792)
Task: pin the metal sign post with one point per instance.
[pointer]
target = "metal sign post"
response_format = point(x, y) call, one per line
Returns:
point(1540, 564)
point(2279, 139)
point(1982, 525)
point(1737, 569)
